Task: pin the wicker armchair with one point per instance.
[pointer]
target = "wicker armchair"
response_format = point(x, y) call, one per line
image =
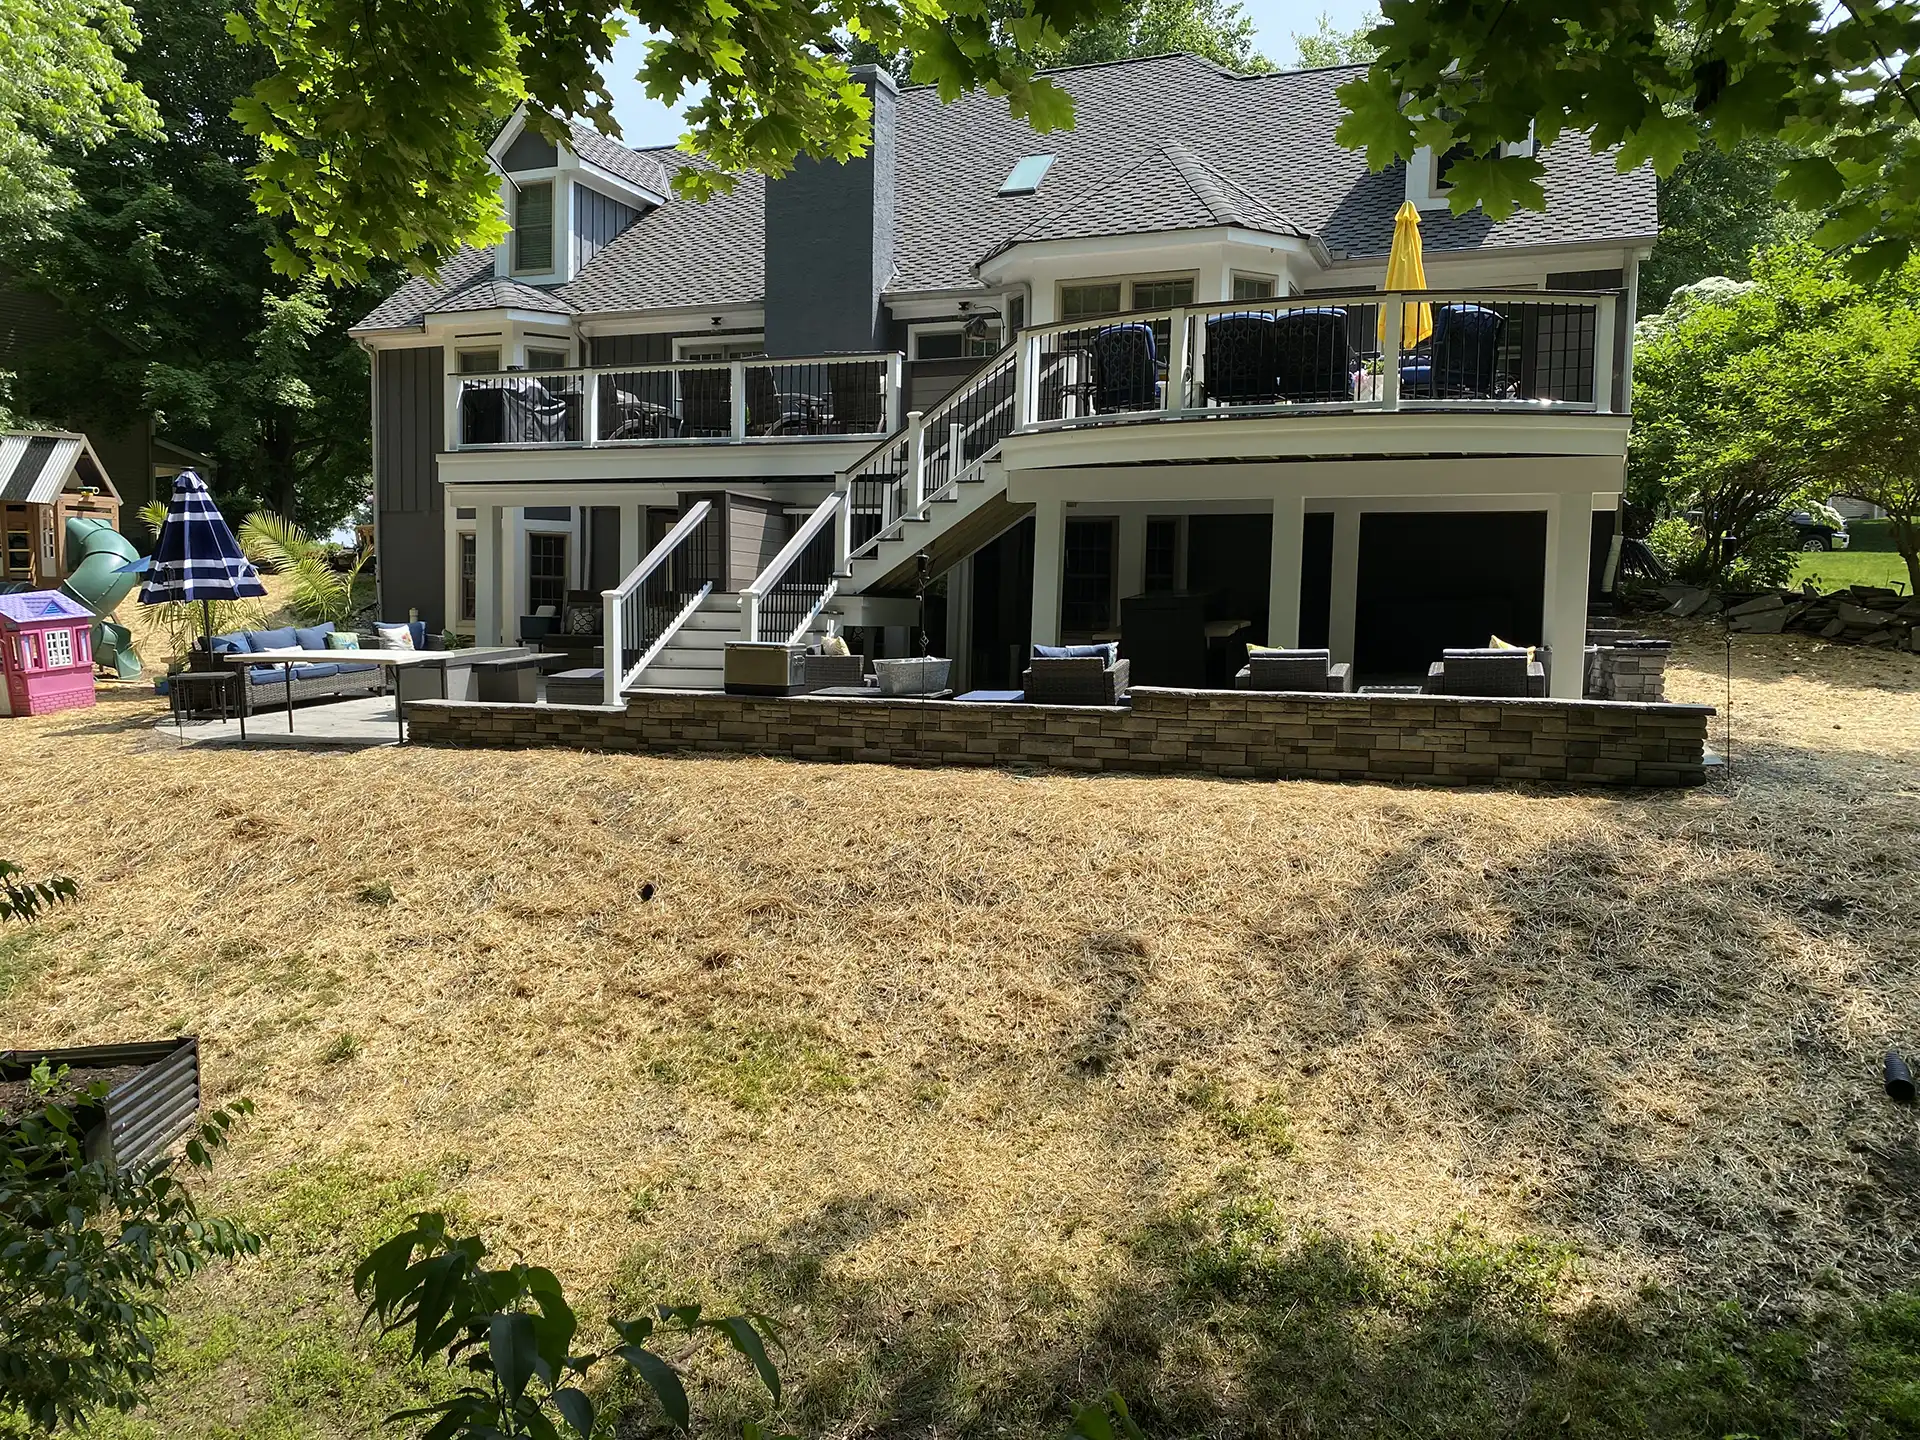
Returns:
point(1081, 680)
point(1504, 674)
point(824, 672)
point(1307, 670)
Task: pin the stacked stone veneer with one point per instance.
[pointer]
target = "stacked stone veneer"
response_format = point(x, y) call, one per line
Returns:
point(1332, 737)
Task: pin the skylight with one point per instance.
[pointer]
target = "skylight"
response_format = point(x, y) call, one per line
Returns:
point(1026, 175)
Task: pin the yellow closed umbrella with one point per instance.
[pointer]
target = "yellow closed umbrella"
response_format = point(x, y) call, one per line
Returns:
point(1407, 271)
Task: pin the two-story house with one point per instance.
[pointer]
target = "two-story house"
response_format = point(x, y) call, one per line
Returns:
point(1146, 356)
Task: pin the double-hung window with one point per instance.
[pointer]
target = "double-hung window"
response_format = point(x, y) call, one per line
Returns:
point(546, 571)
point(59, 648)
point(533, 228)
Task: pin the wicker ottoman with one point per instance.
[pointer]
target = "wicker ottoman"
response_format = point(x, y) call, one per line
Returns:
point(577, 687)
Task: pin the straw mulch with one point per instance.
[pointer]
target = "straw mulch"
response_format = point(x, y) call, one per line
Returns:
point(945, 1035)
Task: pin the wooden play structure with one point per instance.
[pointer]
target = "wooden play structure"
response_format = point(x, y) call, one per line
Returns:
point(47, 477)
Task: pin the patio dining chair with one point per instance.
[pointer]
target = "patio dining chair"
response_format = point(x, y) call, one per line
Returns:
point(1460, 360)
point(1126, 372)
point(1307, 670)
point(705, 405)
point(1313, 361)
point(1242, 363)
point(854, 388)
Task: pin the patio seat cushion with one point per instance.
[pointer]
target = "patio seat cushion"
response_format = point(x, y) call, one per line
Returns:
point(313, 637)
point(234, 644)
point(281, 639)
point(277, 675)
point(1107, 652)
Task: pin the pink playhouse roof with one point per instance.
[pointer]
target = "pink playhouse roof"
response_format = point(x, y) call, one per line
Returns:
point(28, 607)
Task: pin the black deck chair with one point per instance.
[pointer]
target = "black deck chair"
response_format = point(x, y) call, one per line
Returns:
point(854, 388)
point(1242, 359)
point(704, 406)
point(1125, 368)
point(1460, 360)
point(1315, 360)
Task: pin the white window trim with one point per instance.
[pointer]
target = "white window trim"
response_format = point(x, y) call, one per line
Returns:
point(565, 530)
point(556, 214)
point(684, 343)
point(950, 327)
point(1423, 178)
point(1133, 282)
point(1234, 276)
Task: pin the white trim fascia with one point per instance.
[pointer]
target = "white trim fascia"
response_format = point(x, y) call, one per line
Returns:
point(681, 342)
point(1423, 482)
point(942, 304)
point(995, 270)
point(520, 495)
point(616, 187)
point(509, 133)
point(670, 322)
point(1351, 435)
point(686, 463)
point(1614, 245)
point(451, 319)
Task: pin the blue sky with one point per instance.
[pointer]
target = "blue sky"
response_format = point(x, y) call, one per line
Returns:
point(647, 122)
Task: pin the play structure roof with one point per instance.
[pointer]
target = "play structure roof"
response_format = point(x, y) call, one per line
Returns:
point(36, 465)
point(27, 606)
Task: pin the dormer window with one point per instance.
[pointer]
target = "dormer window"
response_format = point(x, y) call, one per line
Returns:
point(533, 228)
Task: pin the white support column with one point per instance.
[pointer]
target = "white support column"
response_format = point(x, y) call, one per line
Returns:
point(1392, 314)
point(513, 565)
point(1133, 551)
point(1283, 583)
point(1344, 591)
point(1564, 613)
point(633, 538)
point(1049, 563)
point(487, 597)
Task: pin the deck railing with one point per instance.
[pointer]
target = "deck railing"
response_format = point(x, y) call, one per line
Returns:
point(784, 598)
point(648, 608)
point(1488, 350)
point(845, 396)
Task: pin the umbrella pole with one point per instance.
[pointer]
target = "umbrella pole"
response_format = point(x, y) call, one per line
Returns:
point(206, 619)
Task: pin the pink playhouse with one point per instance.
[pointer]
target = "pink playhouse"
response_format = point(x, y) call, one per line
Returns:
point(46, 653)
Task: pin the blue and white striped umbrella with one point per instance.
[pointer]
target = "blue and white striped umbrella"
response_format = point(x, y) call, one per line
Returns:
point(195, 556)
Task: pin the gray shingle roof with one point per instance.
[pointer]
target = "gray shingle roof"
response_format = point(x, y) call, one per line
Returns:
point(1167, 142)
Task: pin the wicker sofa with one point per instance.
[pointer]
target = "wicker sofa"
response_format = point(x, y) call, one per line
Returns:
point(1297, 670)
point(330, 673)
point(1089, 679)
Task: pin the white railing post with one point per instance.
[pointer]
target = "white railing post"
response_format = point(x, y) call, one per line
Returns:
point(956, 456)
point(452, 417)
point(737, 397)
point(916, 459)
point(1026, 367)
point(1391, 316)
point(893, 392)
point(843, 525)
point(1177, 339)
point(1603, 341)
point(1197, 362)
point(750, 616)
point(612, 647)
point(590, 408)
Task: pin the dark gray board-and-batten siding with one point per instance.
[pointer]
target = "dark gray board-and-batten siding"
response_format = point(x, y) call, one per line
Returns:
point(409, 421)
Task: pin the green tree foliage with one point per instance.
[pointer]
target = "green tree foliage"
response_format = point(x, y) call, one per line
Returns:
point(24, 899)
point(162, 263)
point(86, 1247)
point(1220, 30)
point(62, 83)
point(1839, 85)
point(1753, 398)
point(1716, 209)
point(511, 1333)
point(1327, 45)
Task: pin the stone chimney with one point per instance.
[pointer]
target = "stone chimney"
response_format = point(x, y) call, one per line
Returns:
point(829, 241)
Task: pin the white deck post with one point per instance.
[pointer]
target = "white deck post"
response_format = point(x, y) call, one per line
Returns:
point(1177, 339)
point(1283, 583)
point(1049, 558)
point(737, 396)
point(1133, 551)
point(590, 409)
point(1344, 591)
point(893, 393)
point(843, 527)
point(633, 537)
point(1603, 342)
point(1026, 369)
point(916, 461)
point(1391, 316)
point(1564, 612)
point(612, 645)
point(487, 599)
point(451, 417)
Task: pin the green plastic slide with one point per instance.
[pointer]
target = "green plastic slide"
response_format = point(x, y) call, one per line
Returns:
point(97, 555)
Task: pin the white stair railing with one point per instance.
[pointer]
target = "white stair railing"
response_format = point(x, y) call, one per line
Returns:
point(648, 608)
point(786, 597)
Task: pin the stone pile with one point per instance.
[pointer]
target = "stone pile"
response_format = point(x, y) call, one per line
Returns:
point(1858, 615)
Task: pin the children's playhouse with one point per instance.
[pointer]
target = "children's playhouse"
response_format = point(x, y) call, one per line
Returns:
point(46, 653)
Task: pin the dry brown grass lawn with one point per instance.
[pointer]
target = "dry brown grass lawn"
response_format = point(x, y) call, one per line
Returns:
point(995, 1088)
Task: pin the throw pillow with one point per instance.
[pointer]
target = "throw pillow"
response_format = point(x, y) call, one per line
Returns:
point(835, 645)
point(1494, 642)
point(583, 619)
point(312, 637)
point(394, 637)
point(342, 640)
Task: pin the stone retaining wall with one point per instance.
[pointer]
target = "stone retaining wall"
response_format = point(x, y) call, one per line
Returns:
point(1432, 738)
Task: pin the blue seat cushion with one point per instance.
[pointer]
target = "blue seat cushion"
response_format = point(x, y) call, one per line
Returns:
point(354, 669)
point(267, 675)
point(1107, 651)
point(277, 674)
point(315, 672)
point(281, 639)
point(313, 637)
point(234, 644)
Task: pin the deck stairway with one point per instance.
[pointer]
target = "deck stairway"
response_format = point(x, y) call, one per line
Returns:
point(694, 654)
point(936, 486)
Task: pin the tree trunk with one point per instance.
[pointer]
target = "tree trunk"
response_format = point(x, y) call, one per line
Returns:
point(1906, 538)
point(283, 476)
